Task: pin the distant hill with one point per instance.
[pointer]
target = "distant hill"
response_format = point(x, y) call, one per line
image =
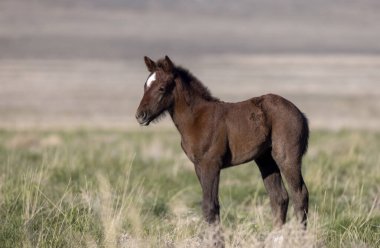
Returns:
point(119, 29)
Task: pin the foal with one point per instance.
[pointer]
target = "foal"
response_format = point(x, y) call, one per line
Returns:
point(215, 135)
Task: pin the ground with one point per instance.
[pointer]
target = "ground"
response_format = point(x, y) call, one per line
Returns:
point(107, 188)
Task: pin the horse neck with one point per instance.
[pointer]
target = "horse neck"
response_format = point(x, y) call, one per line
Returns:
point(184, 111)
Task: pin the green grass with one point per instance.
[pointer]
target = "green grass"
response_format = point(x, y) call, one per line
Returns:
point(108, 188)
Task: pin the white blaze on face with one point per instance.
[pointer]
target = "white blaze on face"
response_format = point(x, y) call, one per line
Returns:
point(150, 80)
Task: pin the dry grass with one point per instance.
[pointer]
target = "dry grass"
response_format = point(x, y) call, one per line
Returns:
point(113, 189)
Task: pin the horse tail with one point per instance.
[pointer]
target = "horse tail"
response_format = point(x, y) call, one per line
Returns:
point(304, 134)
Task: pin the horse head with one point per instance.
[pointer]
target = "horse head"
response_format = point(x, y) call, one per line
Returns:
point(158, 90)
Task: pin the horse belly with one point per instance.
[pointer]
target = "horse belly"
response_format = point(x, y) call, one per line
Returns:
point(248, 141)
point(247, 150)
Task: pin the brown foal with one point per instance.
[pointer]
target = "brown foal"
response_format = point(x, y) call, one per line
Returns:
point(215, 135)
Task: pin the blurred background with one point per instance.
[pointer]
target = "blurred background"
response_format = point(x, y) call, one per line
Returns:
point(79, 63)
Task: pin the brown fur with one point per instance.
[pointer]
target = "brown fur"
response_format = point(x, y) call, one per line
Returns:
point(215, 135)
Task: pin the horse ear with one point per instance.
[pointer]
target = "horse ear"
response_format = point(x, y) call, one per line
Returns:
point(150, 64)
point(168, 65)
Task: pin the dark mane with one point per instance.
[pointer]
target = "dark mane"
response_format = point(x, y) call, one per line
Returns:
point(191, 83)
point(194, 85)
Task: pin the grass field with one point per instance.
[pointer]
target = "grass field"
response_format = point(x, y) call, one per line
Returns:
point(110, 188)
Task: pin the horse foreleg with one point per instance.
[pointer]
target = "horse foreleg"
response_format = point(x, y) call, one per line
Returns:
point(209, 179)
point(208, 175)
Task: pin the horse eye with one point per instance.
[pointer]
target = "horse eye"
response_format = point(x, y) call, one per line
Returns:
point(161, 89)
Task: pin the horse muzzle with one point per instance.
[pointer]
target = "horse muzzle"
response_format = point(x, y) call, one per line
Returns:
point(142, 118)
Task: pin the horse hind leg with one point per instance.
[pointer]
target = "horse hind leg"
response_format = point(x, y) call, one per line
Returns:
point(275, 187)
point(290, 163)
point(300, 195)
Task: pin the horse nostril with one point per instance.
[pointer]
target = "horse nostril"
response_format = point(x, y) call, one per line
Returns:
point(140, 115)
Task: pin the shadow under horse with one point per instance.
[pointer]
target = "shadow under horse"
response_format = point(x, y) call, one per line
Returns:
point(215, 135)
